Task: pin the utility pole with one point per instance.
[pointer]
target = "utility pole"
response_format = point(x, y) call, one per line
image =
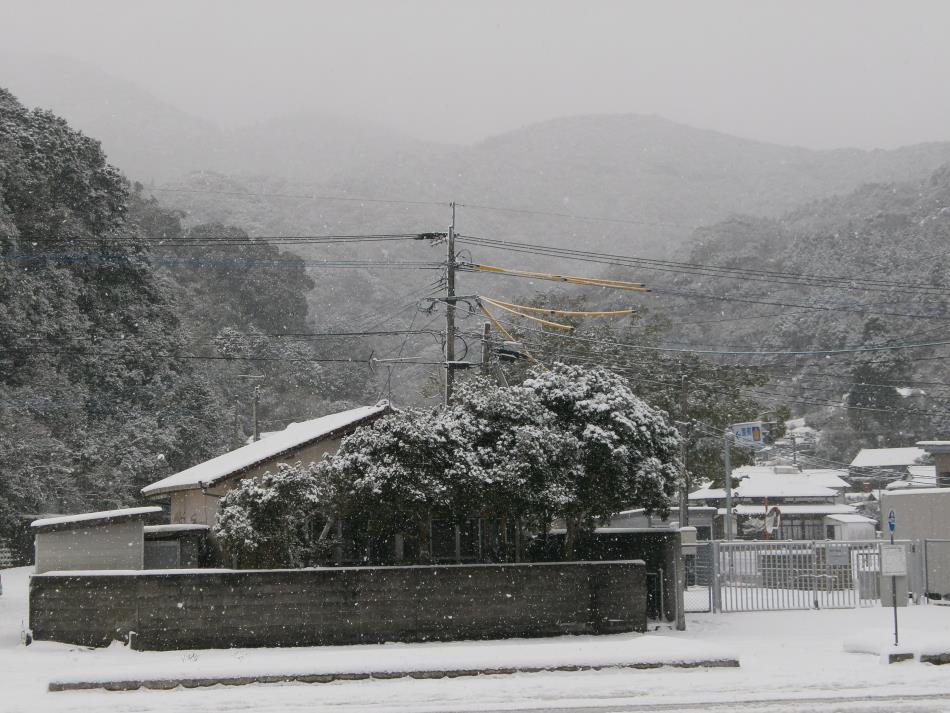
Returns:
point(486, 348)
point(257, 395)
point(727, 459)
point(684, 479)
point(450, 312)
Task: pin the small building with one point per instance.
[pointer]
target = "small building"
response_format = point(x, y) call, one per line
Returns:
point(112, 539)
point(876, 467)
point(178, 546)
point(940, 452)
point(917, 476)
point(700, 517)
point(850, 527)
point(924, 514)
point(804, 500)
point(194, 493)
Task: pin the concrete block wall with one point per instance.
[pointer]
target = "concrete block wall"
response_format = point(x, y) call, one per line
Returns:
point(352, 605)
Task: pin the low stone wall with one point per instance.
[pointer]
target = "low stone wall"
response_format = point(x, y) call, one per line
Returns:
point(347, 605)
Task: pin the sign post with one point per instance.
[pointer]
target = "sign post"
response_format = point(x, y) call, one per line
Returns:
point(893, 563)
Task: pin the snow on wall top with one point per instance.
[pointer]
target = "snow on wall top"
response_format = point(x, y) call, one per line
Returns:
point(91, 518)
point(294, 436)
point(918, 491)
point(883, 457)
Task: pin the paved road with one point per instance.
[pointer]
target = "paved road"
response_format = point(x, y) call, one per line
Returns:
point(925, 703)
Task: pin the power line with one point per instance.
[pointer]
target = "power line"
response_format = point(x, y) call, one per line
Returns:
point(771, 276)
point(306, 196)
point(275, 262)
point(814, 352)
point(575, 216)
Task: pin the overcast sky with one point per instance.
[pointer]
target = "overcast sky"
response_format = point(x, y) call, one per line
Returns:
point(816, 73)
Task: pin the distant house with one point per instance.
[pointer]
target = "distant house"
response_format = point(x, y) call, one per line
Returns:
point(876, 467)
point(700, 517)
point(940, 452)
point(194, 493)
point(805, 500)
point(917, 476)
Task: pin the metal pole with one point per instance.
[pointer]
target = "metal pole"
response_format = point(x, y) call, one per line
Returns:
point(450, 312)
point(486, 347)
point(894, 596)
point(726, 456)
point(684, 480)
point(257, 431)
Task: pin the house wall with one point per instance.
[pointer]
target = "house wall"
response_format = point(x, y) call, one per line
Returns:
point(117, 545)
point(201, 506)
point(346, 605)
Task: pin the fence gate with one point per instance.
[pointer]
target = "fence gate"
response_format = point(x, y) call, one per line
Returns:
point(697, 596)
point(777, 575)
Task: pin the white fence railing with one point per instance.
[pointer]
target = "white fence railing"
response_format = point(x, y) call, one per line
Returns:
point(778, 575)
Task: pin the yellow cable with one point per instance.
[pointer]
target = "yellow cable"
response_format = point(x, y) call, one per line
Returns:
point(574, 280)
point(504, 332)
point(545, 322)
point(564, 312)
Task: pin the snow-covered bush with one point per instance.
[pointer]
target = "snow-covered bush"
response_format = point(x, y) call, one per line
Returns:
point(274, 520)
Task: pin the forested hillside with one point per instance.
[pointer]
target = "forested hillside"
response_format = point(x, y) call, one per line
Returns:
point(659, 178)
point(840, 273)
point(123, 361)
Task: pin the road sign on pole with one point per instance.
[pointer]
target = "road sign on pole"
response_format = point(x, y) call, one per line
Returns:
point(891, 521)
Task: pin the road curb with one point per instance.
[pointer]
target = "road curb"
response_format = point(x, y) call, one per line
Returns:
point(164, 684)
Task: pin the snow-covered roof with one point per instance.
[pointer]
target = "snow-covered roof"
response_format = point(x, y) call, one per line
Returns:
point(918, 476)
point(833, 478)
point(852, 519)
point(774, 482)
point(782, 486)
point(887, 457)
point(918, 491)
point(813, 509)
point(291, 438)
point(707, 494)
point(93, 518)
point(935, 446)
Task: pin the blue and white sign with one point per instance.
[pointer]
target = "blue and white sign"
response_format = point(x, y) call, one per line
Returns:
point(752, 432)
point(891, 520)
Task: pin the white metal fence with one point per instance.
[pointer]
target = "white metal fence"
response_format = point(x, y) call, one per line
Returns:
point(778, 575)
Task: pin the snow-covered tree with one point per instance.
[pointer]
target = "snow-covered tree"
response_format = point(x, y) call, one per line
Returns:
point(521, 456)
point(626, 454)
point(392, 476)
point(274, 520)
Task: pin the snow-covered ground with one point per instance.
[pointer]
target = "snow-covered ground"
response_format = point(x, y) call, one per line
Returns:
point(784, 655)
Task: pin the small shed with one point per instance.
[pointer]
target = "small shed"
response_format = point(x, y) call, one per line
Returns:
point(850, 527)
point(111, 539)
point(178, 546)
